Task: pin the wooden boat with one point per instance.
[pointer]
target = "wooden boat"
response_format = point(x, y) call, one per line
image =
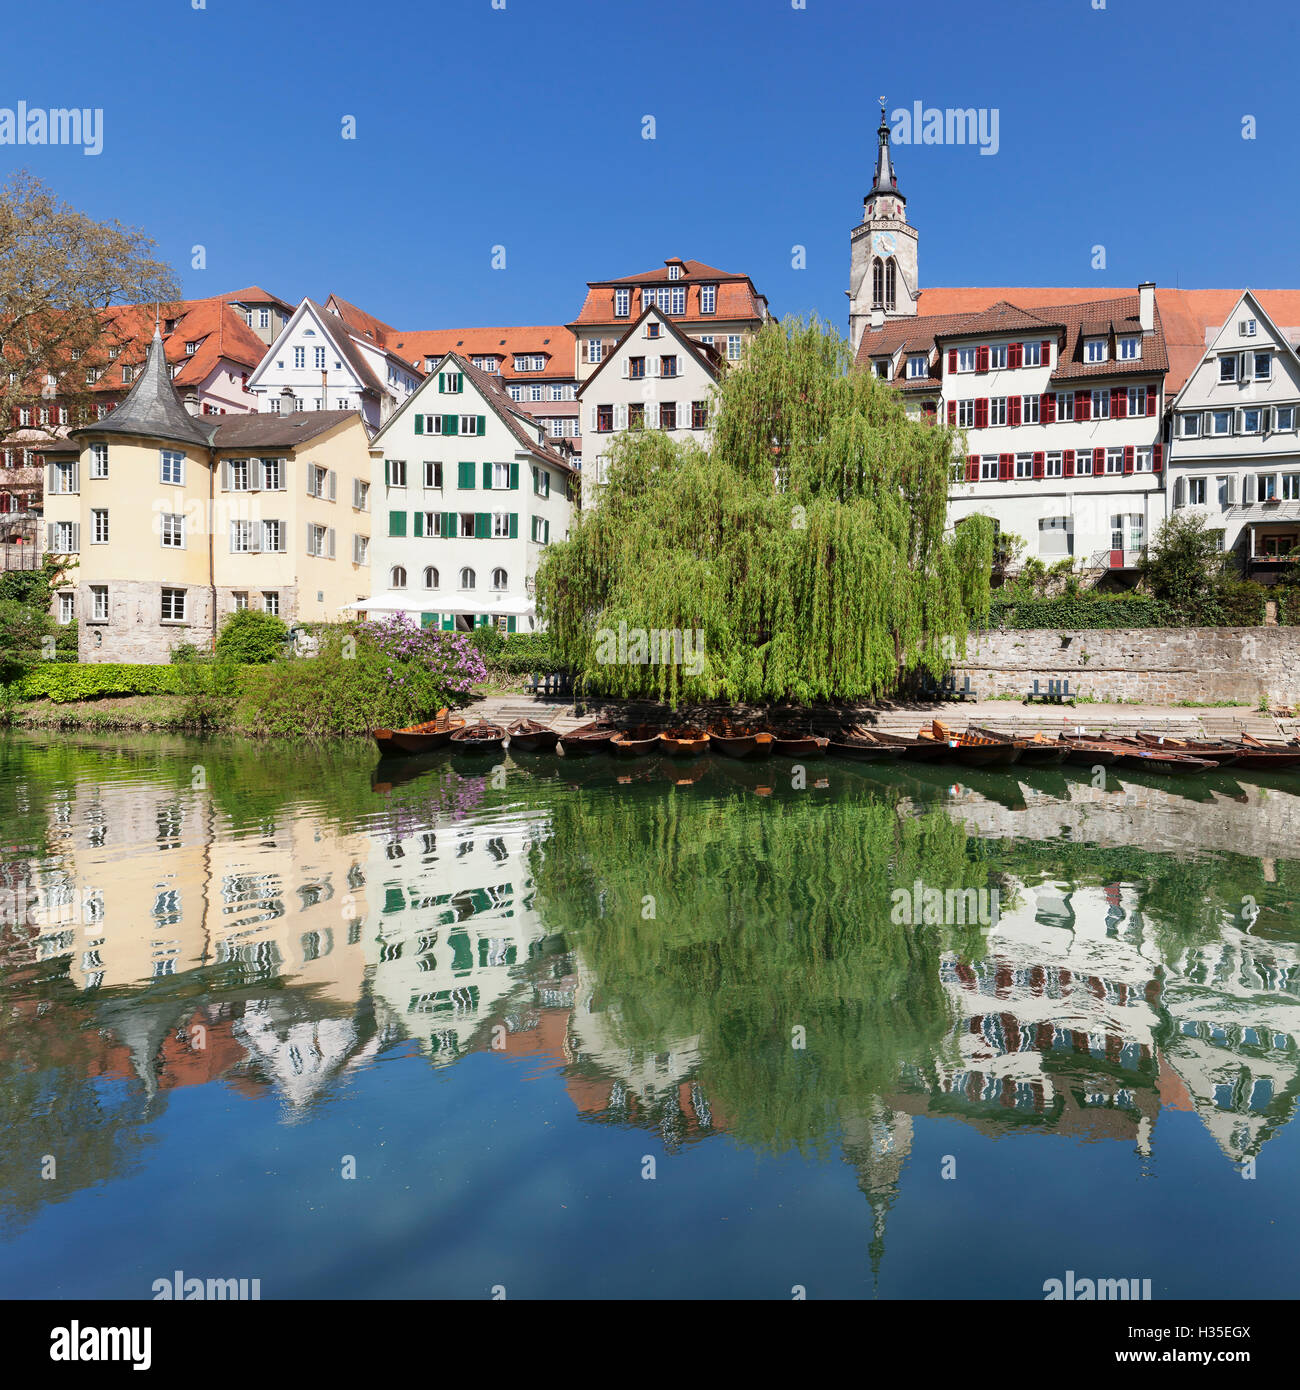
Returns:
point(684, 743)
point(917, 750)
point(417, 738)
point(1221, 754)
point(791, 743)
point(862, 746)
point(972, 750)
point(635, 743)
point(1138, 759)
point(1037, 751)
point(1087, 751)
point(734, 742)
point(532, 737)
point(480, 737)
point(1259, 757)
point(588, 738)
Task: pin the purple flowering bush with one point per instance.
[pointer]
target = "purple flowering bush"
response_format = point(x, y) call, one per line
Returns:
point(449, 659)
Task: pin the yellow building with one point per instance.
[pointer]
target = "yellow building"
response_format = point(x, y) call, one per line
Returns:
point(176, 520)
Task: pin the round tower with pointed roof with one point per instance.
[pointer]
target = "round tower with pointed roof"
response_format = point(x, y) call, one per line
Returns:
point(883, 249)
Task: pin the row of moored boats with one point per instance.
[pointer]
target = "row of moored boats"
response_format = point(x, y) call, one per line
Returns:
point(975, 746)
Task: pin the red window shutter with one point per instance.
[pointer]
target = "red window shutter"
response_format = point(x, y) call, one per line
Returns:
point(1151, 400)
point(1157, 456)
point(1067, 463)
point(972, 468)
point(1013, 410)
point(952, 359)
point(1047, 408)
point(1128, 458)
point(1015, 355)
point(1098, 461)
point(952, 412)
point(1118, 403)
point(1038, 464)
point(981, 413)
point(1047, 352)
point(1083, 405)
point(1005, 467)
point(981, 359)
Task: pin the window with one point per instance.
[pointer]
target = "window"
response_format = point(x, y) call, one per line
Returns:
point(622, 303)
point(172, 530)
point(237, 475)
point(397, 577)
point(273, 475)
point(1197, 491)
point(636, 367)
point(273, 536)
point(1130, 349)
point(1291, 487)
point(966, 414)
point(1094, 350)
point(998, 410)
point(966, 359)
point(467, 578)
point(360, 495)
point(1052, 468)
point(1024, 465)
point(64, 477)
point(708, 299)
point(300, 357)
point(320, 482)
point(1142, 461)
point(636, 415)
point(430, 577)
point(1247, 328)
point(595, 349)
point(542, 530)
point(432, 525)
point(668, 365)
point(172, 465)
point(1250, 420)
point(243, 537)
point(1221, 422)
point(318, 358)
point(1284, 417)
point(1265, 487)
point(466, 525)
point(320, 542)
point(541, 482)
point(469, 423)
point(173, 605)
point(997, 356)
point(699, 415)
point(64, 538)
point(67, 607)
point(99, 525)
point(1189, 426)
point(264, 318)
point(1263, 366)
point(882, 368)
point(668, 415)
point(1033, 354)
point(1055, 534)
point(1227, 369)
point(395, 469)
point(500, 525)
point(239, 601)
point(989, 468)
point(1029, 410)
point(917, 366)
point(706, 339)
point(733, 347)
point(499, 580)
point(500, 476)
point(99, 603)
point(1101, 405)
point(1227, 491)
point(1115, 460)
point(530, 362)
point(271, 601)
point(1064, 405)
point(432, 474)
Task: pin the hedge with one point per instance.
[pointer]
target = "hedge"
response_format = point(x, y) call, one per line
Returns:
point(1130, 610)
point(62, 683)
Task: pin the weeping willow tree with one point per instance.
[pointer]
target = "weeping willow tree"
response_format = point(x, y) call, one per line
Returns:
point(807, 546)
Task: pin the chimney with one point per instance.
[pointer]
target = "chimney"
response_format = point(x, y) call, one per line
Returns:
point(286, 400)
point(1147, 305)
point(877, 318)
point(191, 402)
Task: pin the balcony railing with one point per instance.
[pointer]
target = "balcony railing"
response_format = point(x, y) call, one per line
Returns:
point(1117, 559)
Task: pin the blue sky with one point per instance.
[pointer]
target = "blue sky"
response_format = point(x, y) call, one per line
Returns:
point(522, 127)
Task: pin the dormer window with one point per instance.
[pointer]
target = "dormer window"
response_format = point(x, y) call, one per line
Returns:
point(530, 362)
point(674, 272)
point(917, 366)
point(882, 368)
point(1130, 349)
point(169, 325)
point(708, 299)
point(191, 349)
point(1247, 328)
point(113, 351)
point(622, 303)
point(1094, 349)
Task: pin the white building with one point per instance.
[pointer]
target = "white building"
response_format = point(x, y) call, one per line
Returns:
point(656, 377)
point(467, 494)
point(319, 362)
point(1235, 450)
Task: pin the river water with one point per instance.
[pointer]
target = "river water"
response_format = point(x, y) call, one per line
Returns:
point(540, 1027)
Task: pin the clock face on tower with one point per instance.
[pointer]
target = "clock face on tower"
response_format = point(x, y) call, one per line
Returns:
point(884, 243)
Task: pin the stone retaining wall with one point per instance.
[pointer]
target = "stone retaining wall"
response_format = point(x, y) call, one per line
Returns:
point(1157, 666)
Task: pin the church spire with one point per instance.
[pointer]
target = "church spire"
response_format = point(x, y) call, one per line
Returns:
point(886, 180)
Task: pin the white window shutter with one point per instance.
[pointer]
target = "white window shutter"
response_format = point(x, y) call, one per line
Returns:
point(76, 477)
point(49, 532)
point(334, 484)
point(620, 417)
point(76, 537)
point(1248, 488)
point(1232, 490)
point(225, 475)
point(49, 483)
point(356, 492)
point(1180, 492)
point(309, 471)
point(329, 543)
point(591, 422)
point(652, 415)
point(311, 539)
point(234, 535)
point(254, 537)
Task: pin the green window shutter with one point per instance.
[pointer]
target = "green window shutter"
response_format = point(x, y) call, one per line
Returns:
point(449, 622)
point(428, 620)
point(419, 424)
point(460, 381)
point(386, 473)
point(482, 526)
point(514, 476)
point(448, 525)
point(487, 475)
point(397, 523)
point(465, 475)
point(482, 426)
point(417, 523)
point(451, 424)
point(442, 383)
point(546, 531)
point(514, 525)
point(510, 624)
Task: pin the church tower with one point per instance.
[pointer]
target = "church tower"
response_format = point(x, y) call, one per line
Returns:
point(882, 265)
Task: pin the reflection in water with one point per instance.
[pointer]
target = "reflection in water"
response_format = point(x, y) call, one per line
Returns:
point(691, 959)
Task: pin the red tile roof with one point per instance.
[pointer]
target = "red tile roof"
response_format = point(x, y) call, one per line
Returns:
point(553, 341)
point(364, 325)
point(736, 298)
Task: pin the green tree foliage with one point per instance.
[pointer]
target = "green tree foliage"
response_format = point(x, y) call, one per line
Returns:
point(252, 637)
point(1184, 564)
point(808, 544)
